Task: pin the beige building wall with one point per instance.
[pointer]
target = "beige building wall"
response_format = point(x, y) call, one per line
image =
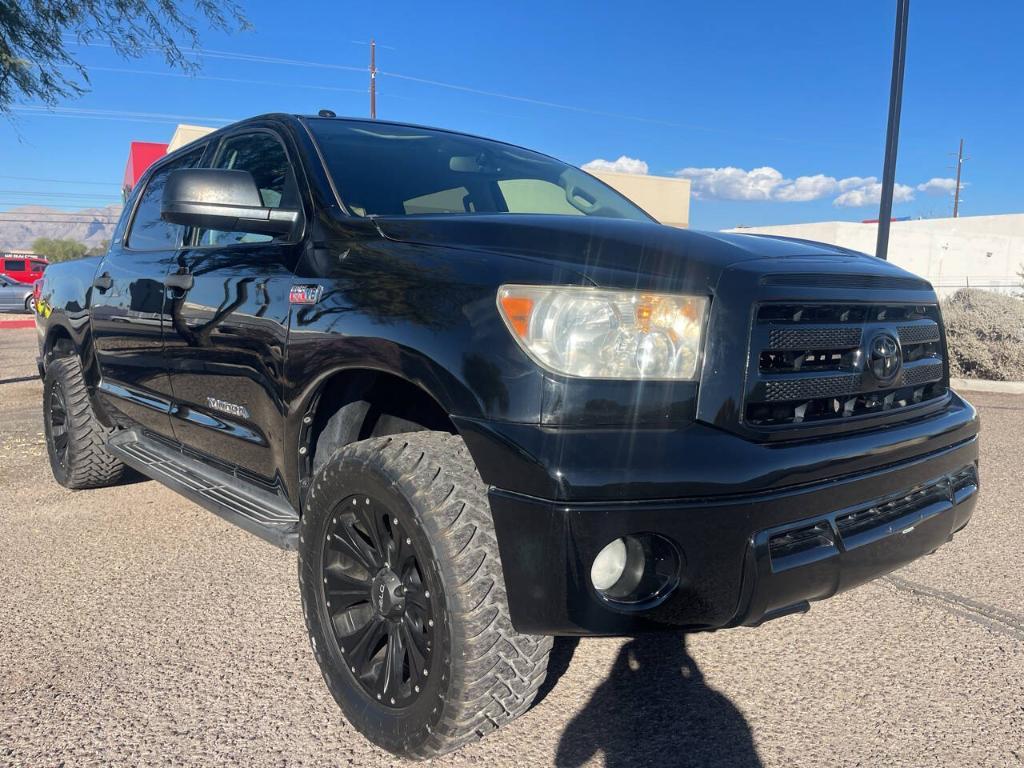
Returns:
point(969, 251)
point(666, 199)
point(186, 134)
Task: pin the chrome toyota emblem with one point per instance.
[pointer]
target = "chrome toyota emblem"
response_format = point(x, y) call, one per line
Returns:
point(885, 357)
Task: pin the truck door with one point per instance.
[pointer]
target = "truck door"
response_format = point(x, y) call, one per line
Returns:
point(127, 308)
point(228, 309)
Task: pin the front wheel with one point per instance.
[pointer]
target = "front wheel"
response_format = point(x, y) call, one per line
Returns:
point(404, 596)
point(29, 305)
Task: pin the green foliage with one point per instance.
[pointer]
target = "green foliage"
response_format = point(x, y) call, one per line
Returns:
point(35, 37)
point(985, 334)
point(59, 250)
point(99, 250)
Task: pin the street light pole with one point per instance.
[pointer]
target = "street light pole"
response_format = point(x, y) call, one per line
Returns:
point(892, 133)
point(373, 79)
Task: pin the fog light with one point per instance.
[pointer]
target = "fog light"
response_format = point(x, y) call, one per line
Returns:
point(636, 571)
point(609, 565)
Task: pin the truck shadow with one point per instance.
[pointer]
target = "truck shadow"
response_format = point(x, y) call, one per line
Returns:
point(654, 709)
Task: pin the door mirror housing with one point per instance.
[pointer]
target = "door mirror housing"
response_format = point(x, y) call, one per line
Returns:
point(221, 199)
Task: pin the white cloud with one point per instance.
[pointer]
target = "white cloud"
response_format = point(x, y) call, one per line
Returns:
point(623, 165)
point(859, 192)
point(770, 185)
point(937, 186)
point(804, 188)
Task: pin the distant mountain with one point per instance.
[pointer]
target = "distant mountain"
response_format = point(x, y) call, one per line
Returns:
point(20, 226)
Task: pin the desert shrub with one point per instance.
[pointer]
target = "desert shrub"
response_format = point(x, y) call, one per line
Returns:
point(985, 332)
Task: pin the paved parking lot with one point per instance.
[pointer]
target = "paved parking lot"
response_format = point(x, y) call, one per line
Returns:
point(138, 629)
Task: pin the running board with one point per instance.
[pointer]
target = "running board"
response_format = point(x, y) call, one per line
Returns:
point(237, 501)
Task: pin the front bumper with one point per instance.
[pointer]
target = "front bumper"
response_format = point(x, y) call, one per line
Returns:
point(745, 557)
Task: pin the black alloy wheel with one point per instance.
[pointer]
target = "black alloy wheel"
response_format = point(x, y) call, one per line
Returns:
point(378, 602)
point(404, 596)
point(76, 440)
point(57, 415)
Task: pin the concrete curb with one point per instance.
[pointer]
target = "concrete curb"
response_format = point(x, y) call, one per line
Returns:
point(982, 385)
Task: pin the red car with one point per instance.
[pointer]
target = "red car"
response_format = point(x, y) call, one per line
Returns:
point(23, 269)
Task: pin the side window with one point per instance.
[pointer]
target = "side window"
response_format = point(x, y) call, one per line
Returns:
point(14, 265)
point(262, 155)
point(148, 231)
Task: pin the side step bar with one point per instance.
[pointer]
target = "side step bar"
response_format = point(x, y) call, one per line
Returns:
point(254, 509)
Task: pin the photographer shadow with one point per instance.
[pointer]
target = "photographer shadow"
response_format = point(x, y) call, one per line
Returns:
point(654, 709)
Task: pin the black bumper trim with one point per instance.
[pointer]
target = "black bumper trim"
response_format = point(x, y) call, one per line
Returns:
point(728, 575)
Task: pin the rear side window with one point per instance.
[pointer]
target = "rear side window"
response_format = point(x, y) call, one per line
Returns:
point(148, 231)
point(38, 267)
point(14, 265)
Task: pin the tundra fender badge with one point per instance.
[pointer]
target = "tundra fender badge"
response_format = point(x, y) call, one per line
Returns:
point(232, 409)
point(305, 294)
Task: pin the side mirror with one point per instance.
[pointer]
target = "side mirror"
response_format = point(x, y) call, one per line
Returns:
point(221, 199)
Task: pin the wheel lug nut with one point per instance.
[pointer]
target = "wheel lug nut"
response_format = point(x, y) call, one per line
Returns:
point(416, 688)
point(430, 622)
point(395, 520)
point(427, 593)
point(408, 540)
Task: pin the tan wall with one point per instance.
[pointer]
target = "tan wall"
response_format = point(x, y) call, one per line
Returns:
point(978, 251)
point(186, 134)
point(666, 199)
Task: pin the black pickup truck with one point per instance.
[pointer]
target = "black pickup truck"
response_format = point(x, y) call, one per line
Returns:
point(489, 400)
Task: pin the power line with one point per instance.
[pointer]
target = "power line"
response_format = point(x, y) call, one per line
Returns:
point(62, 181)
point(121, 113)
point(247, 81)
point(29, 192)
point(424, 81)
point(56, 221)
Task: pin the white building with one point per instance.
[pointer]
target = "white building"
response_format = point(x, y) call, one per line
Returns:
point(969, 251)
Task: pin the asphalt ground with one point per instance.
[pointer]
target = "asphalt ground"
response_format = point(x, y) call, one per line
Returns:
point(138, 629)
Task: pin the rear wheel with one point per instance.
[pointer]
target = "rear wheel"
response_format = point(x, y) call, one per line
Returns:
point(405, 600)
point(29, 304)
point(75, 438)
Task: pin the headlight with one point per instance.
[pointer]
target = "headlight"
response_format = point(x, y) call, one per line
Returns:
point(600, 334)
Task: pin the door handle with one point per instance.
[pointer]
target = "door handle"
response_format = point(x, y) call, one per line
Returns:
point(181, 282)
point(103, 282)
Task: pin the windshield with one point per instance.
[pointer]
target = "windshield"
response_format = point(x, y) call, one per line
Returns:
point(392, 170)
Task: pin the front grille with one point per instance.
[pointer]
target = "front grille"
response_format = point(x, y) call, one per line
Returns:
point(811, 363)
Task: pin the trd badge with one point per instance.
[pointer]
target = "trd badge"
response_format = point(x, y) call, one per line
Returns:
point(305, 294)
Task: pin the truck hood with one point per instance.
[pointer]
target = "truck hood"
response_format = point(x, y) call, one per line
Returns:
point(614, 252)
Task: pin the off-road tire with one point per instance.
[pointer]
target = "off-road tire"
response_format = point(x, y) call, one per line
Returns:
point(88, 463)
point(483, 673)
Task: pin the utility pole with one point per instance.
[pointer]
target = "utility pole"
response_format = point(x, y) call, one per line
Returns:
point(892, 133)
point(959, 167)
point(373, 79)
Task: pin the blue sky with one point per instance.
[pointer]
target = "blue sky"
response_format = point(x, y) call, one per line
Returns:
point(794, 88)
